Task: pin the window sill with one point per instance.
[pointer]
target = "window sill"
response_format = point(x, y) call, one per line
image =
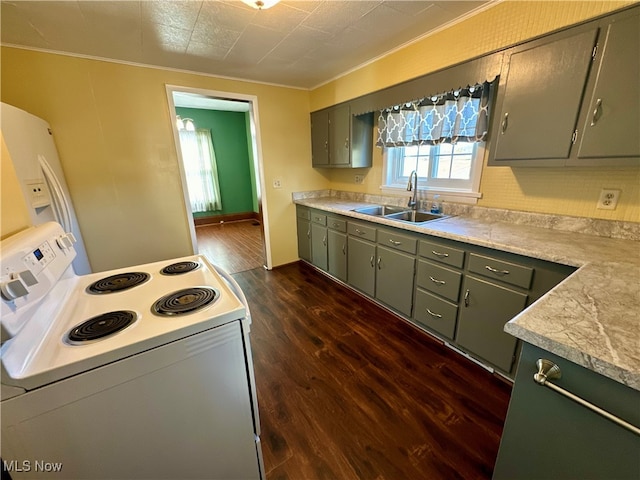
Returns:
point(446, 195)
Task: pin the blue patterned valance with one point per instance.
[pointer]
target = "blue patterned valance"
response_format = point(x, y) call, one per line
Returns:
point(458, 116)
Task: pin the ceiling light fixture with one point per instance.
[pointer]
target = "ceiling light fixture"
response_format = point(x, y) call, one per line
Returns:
point(261, 4)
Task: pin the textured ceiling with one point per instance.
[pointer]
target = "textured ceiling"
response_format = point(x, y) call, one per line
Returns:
point(295, 43)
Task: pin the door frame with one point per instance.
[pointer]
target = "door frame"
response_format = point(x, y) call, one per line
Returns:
point(256, 146)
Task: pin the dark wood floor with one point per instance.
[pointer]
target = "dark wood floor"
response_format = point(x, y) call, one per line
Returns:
point(234, 246)
point(348, 391)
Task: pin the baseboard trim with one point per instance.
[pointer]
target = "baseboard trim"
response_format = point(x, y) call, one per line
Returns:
point(227, 217)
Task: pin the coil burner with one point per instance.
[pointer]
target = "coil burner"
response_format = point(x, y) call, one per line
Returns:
point(101, 326)
point(180, 268)
point(118, 283)
point(184, 301)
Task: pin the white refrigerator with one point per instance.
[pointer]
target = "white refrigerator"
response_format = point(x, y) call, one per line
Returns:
point(35, 158)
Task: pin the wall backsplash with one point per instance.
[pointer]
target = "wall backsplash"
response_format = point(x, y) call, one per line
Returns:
point(565, 223)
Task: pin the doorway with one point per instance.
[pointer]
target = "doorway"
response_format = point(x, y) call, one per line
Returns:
point(235, 235)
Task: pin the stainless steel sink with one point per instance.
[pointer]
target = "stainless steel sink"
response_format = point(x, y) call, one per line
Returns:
point(415, 216)
point(380, 210)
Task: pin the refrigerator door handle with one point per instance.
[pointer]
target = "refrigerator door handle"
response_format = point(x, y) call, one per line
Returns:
point(59, 200)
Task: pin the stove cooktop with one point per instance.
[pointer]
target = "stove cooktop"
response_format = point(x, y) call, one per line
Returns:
point(209, 303)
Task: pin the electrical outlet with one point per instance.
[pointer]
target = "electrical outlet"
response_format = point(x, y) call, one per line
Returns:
point(277, 183)
point(359, 179)
point(608, 199)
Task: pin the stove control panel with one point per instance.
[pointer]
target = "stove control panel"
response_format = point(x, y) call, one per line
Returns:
point(32, 263)
point(39, 258)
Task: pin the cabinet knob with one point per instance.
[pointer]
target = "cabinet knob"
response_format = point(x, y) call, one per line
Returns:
point(596, 112)
point(505, 122)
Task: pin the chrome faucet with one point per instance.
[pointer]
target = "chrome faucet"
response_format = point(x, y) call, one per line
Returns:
point(413, 201)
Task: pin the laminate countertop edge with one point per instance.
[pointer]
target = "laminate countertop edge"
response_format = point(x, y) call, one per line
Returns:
point(592, 318)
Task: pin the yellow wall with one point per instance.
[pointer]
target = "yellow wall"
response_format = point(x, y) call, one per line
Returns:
point(568, 191)
point(13, 209)
point(113, 132)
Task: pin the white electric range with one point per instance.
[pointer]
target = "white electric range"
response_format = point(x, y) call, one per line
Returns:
point(140, 372)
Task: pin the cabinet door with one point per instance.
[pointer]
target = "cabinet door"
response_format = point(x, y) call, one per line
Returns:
point(361, 272)
point(304, 239)
point(544, 88)
point(547, 435)
point(337, 251)
point(320, 138)
point(485, 309)
point(394, 279)
point(612, 120)
point(339, 135)
point(319, 246)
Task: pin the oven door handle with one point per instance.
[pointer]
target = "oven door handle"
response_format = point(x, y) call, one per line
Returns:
point(234, 287)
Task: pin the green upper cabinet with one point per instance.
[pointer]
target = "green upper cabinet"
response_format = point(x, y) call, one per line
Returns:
point(542, 95)
point(341, 140)
point(572, 98)
point(610, 122)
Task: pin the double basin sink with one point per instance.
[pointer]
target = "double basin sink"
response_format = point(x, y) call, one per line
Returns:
point(401, 214)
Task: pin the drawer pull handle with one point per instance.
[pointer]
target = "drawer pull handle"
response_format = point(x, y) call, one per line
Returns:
point(596, 112)
point(547, 370)
point(324, 241)
point(344, 249)
point(466, 298)
point(435, 280)
point(436, 315)
point(379, 261)
point(360, 232)
point(371, 260)
point(440, 254)
point(497, 272)
point(505, 122)
point(393, 242)
point(309, 233)
point(336, 225)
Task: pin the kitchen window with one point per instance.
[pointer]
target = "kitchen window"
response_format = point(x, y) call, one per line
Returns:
point(441, 137)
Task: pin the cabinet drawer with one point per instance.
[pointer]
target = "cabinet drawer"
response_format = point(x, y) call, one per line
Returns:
point(435, 313)
point(303, 212)
point(439, 280)
point(518, 275)
point(319, 218)
point(337, 224)
point(397, 241)
point(361, 231)
point(442, 254)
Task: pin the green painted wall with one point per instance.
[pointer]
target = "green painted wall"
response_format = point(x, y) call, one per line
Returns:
point(233, 155)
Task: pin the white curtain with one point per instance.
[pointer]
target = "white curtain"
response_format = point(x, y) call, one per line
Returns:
point(201, 170)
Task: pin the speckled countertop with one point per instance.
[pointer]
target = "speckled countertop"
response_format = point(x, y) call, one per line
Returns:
point(592, 318)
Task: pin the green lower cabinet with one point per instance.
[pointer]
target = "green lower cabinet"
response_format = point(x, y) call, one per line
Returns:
point(394, 279)
point(319, 246)
point(361, 272)
point(435, 313)
point(549, 436)
point(304, 239)
point(337, 254)
point(484, 310)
